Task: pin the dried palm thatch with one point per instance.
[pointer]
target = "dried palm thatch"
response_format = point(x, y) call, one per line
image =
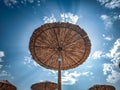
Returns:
point(44, 86)
point(102, 87)
point(6, 85)
point(59, 40)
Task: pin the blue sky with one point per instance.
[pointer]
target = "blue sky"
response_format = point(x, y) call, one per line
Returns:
point(99, 18)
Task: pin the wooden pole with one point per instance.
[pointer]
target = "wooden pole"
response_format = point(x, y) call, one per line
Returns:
point(59, 75)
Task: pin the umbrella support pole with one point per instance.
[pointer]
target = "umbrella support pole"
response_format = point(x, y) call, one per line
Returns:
point(59, 76)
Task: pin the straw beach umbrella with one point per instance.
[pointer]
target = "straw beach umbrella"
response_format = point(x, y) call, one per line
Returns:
point(44, 86)
point(6, 85)
point(59, 46)
point(102, 87)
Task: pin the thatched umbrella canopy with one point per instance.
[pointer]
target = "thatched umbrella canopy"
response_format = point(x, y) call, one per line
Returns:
point(44, 86)
point(59, 46)
point(59, 40)
point(102, 87)
point(6, 85)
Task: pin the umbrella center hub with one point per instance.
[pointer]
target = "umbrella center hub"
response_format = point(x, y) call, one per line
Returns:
point(59, 48)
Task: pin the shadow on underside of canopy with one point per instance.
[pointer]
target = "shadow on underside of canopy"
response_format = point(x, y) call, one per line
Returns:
point(46, 85)
point(6, 85)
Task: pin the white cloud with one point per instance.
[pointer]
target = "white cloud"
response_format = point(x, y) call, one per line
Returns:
point(97, 54)
point(116, 17)
point(49, 19)
point(38, 2)
point(70, 78)
point(10, 3)
point(87, 73)
point(111, 4)
point(1, 66)
point(107, 68)
point(18, 3)
point(30, 1)
point(108, 38)
point(64, 17)
point(113, 77)
point(111, 69)
point(116, 48)
point(69, 17)
point(89, 66)
point(1, 60)
point(114, 53)
point(3, 73)
point(103, 1)
point(53, 71)
point(28, 61)
point(107, 20)
point(1, 55)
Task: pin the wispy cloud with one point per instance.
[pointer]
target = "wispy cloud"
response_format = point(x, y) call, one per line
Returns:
point(107, 20)
point(103, 1)
point(31, 1)
point(1, 55)
point(4, 73)
point(1, 66)
point(107, 37)
point(64, 17)
point(114, 53)
point(116, 17)
point(111, 69)
point(49, 19)
point(107, 67)
point(70, 78)
point(28, 61)
point(97, 54)
point(10, 3)
point(18, 3)
point(111, 4)
point(69, 17)
point(113, 77)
